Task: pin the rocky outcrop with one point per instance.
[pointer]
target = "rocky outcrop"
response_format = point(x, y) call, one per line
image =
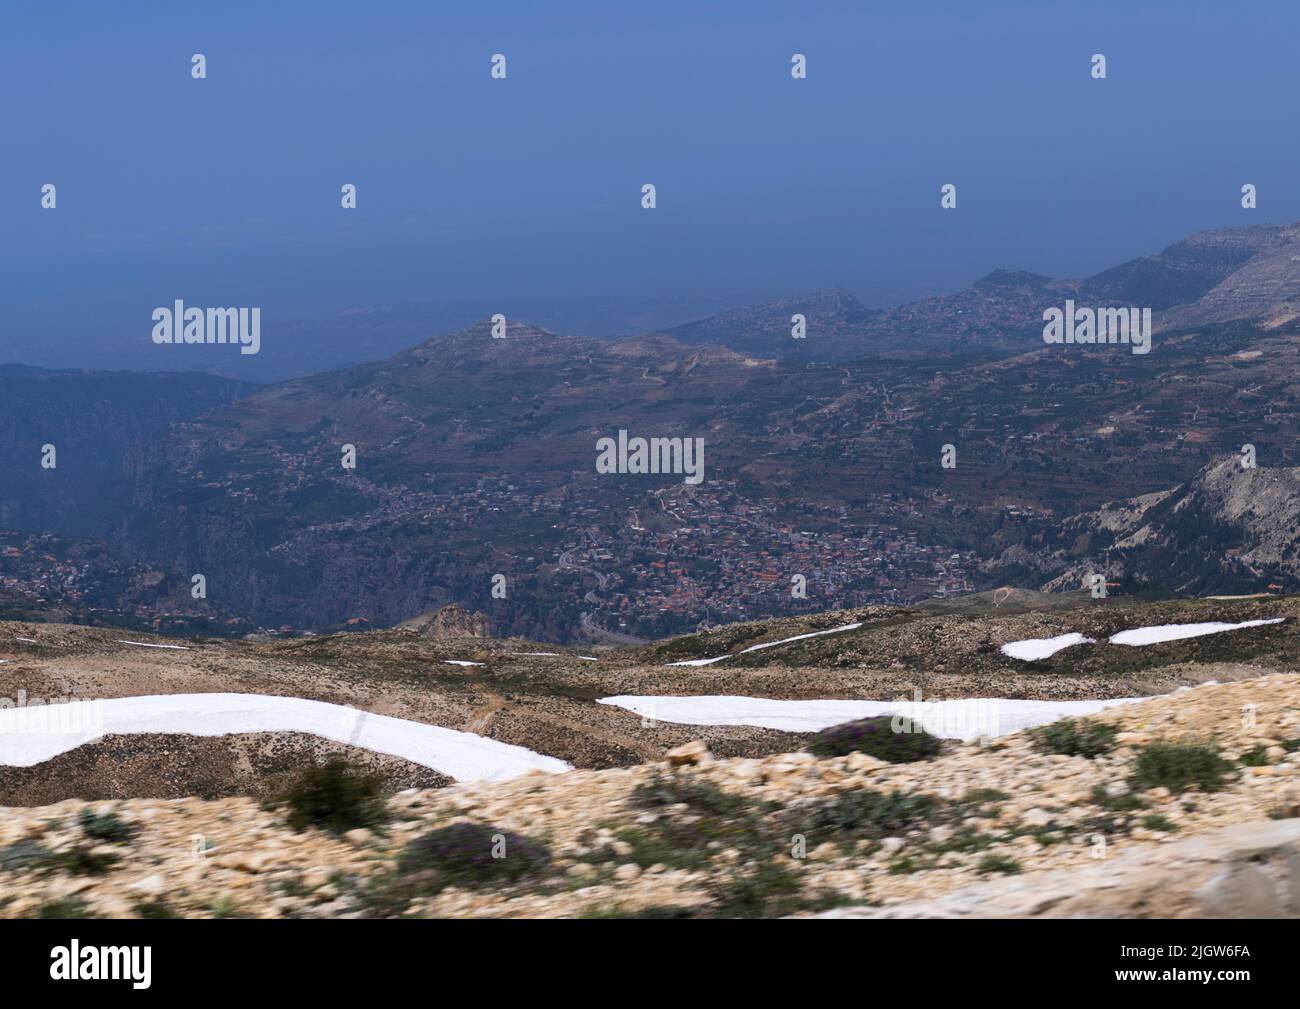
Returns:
point(1251, 870)
point(452, 621)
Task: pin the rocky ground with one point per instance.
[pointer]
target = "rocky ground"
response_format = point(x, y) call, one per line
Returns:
point(692, 835)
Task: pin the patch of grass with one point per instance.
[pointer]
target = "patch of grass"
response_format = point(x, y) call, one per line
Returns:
point(1290, 745)
point(23, 855)
point(1257, 757)
point(469, 855)
point(768, 890)
point(108, 827)
point(1075, 738)
point(226, 906)
point(700, 795)
point(1157, 822)
point(964, 842)
point(983, 796)
point(998, 863)
point(334, 797)
point(81, 861)
point(904, 865)
point(293, 886)
point(871, 814)
point(155, 909)
point(655, 911)
point(64, 907)
point(877, 737)
point(1126, 802)
point(1180, 766)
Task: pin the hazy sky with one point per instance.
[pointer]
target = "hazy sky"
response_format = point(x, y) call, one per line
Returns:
point(226, 190)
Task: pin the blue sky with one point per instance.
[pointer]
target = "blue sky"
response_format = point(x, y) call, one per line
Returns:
point(226, 190)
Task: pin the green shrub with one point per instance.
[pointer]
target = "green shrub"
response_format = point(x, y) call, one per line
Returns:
point(982, 796)
point(155, 909)
point(64, 907)
point(874, 814)
point(877, 738)
point(998, 863)
point(22, 855)
point(768, 890)
point(1125, 802)
point(334, 797)
point(1075, 739)
point(471, 854)
point(1180, 766)
point(1257, 757)
point(108, 827)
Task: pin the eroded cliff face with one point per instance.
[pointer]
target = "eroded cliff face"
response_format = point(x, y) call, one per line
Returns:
point(1230, 528)
point(107, 430)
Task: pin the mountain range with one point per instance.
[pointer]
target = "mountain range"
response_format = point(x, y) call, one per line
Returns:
point(474, 458)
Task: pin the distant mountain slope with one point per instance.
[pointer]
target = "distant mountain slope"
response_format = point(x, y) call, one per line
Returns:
point(1228, 529)
point(835, 321)
point(105, 427)
point(1188, 269)
point(1216, 276)
point(1265, 288)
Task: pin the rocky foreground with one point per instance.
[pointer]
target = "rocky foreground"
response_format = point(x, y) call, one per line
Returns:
point(978, 828)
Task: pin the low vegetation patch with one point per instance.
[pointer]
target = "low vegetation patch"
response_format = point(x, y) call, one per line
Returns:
point(1180, 766)
point(64, 907)
point(468, 855)
point(872, 815)
point(998, 863)
point(334, 797)
point(472, 854)
point(877, 738)
point(1256, 757)
point(155, 909)
point(669, 789)
point(106, 827)
point(23, 855)
point(1075, 738)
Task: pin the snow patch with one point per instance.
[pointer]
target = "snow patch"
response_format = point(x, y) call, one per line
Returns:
point(1040, 648)
point(146, 644)
point(965, 718)
point(461, 755)
point(1177, 632)
point(462, 662)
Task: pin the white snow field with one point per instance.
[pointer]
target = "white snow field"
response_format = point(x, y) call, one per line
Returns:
point(1176, 632)
point(766, 644)
point(31, 735)
point(967, 718)
point(1040, 648)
